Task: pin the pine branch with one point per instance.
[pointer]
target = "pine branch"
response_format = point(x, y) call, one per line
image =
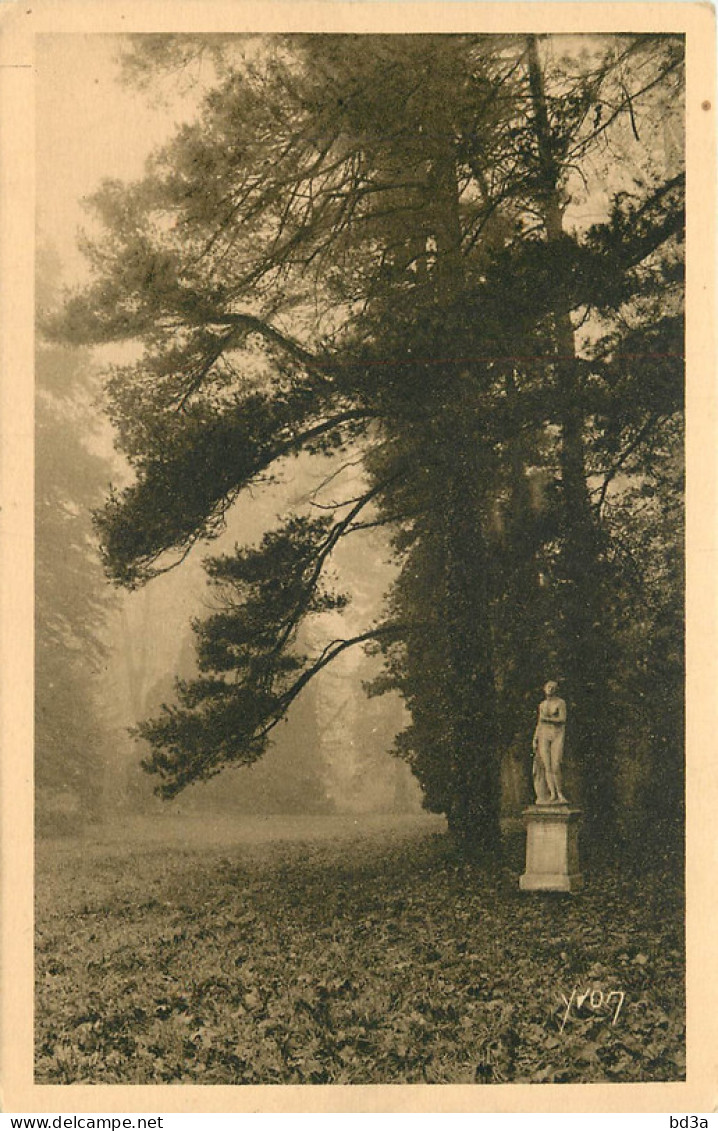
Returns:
point(336, 533)
point(245, 324)
point(326, 657)
point(130, 551)
point(624, 106)
point(643, 433)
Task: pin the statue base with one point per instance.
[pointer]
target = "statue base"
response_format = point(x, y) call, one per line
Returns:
point(551, 848)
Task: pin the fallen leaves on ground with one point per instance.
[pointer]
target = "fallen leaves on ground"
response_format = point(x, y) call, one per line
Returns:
point(363, 959)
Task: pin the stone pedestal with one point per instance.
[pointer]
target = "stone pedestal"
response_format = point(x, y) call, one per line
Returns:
point(551, 848)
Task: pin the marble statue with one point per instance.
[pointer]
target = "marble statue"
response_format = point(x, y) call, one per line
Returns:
point(548, 743)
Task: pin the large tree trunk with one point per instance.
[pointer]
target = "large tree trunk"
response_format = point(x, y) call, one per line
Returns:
point(473, 808)
point(473, 812)
point(585, 643)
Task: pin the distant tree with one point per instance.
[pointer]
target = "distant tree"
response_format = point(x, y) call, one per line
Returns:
point(400, 202)
point(71, 592)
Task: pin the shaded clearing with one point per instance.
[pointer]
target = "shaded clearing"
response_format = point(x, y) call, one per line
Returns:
point(306, 951)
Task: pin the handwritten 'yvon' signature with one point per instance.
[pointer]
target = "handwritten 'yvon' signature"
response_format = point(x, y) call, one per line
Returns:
point(594, 999)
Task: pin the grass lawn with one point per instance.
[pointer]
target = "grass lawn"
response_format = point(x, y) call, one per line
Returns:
point(290, 950)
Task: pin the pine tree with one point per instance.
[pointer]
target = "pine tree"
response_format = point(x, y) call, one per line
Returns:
point(400, 203)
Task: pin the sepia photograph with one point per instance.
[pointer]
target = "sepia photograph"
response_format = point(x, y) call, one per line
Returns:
point(359, 558)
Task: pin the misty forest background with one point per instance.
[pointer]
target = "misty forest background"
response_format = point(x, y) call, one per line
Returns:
point(388, 339)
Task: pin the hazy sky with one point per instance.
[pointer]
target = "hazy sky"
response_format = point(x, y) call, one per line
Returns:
point(88, 127)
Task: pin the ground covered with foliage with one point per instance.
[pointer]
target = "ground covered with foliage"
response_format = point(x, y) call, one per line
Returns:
point(331, 952)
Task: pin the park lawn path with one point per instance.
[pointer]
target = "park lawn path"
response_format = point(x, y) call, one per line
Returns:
point(328, 951)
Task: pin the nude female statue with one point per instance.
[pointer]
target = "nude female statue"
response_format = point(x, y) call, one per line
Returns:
point(548, 743)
